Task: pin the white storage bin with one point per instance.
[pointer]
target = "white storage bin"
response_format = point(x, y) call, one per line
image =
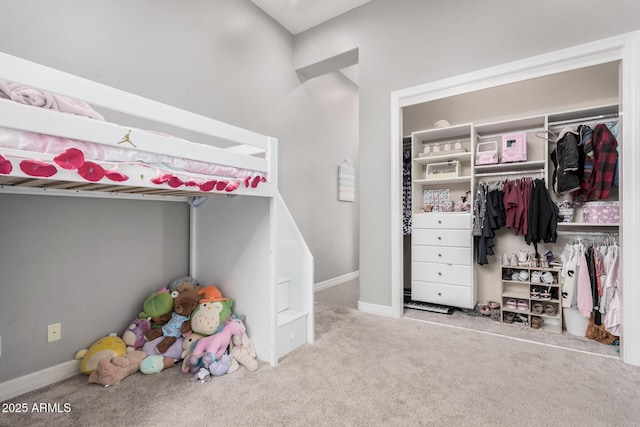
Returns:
point(574, 322)
point(444, 170)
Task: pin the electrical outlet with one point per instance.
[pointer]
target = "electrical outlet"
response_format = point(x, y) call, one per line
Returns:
point(54, 332)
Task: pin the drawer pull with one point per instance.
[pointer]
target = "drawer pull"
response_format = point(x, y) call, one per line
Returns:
point(440, 255)
point(439, 294)
point(439, 221)
point(439, 273)
point(439, 238)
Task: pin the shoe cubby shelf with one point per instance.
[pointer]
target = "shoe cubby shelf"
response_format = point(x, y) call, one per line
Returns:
point(531, 302)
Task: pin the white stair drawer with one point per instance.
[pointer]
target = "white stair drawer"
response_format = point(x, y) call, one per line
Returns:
point(442, 254)
point(452, 274)
point(442, 220)
point(436, 293)
point(426, 236)
point(291, 335)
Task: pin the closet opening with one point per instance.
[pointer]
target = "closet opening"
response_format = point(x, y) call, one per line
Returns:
point(536, 106)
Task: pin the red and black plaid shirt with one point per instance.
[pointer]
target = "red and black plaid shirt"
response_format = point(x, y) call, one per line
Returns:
point(605, 157)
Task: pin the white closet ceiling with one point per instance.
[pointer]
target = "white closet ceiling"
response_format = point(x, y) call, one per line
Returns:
point(300, 15)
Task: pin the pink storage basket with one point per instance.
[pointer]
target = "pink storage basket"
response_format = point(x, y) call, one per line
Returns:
point(601, 212)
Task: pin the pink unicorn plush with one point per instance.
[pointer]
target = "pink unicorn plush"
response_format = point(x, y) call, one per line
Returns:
point(218, 343)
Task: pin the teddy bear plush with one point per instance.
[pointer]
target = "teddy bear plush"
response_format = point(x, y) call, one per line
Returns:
point(185, 301)
point(113, 369)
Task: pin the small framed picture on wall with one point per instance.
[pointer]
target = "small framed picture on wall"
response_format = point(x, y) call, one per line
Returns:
point(346, 182)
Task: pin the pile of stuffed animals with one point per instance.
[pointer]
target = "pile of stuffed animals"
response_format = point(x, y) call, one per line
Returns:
point(183, 322)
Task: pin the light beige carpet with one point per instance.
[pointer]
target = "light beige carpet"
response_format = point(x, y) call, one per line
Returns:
point(368, 370)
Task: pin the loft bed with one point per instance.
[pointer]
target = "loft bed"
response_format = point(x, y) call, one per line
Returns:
point(49, 130)
point(56, 143)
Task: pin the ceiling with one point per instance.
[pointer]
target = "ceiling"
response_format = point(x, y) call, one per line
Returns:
point(300, 15)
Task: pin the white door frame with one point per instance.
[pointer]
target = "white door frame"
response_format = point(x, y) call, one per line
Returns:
point(624, 48)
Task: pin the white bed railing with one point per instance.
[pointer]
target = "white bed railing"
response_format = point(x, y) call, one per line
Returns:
point(248, 150)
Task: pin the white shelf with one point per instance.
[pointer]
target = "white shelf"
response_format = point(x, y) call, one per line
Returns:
point(435, 182)
point(443, 158)
point(585, 225)
point(519, 166)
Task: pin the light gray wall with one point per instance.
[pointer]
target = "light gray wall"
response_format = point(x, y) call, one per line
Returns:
point(224, 59)
point(403, 43)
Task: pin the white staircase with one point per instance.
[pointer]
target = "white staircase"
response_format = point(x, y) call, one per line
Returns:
point(294, 287)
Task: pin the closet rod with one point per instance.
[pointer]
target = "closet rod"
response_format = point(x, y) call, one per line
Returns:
point(587, 120)
point(523, 172)
point(587, 233)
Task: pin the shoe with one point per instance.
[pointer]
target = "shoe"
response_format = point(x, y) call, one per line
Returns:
point(547, 277)
point(523, 305)
point(521, 320)
point(549, 256)
point(535, 293)
point(512, 304)
point(537, 308)
point(507, 273)
point(484, 309)
point(536, 322)
point(514, 260)
point(523, 276)
point(523, 258)
point(514, 276)
point(493, 304)
point(508, 317)
point(549, 310)
point(504, 260)
point(545, 295)
point(535, 276)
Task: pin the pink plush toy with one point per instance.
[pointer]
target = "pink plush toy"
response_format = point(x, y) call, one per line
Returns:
point(133, 337)
point(219, 342)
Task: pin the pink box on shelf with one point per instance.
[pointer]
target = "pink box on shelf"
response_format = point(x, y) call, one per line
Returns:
point(514, 147)
point(601, 212)
point(487, 153)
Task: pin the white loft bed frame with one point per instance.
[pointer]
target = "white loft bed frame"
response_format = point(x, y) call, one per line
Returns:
point(273, 244)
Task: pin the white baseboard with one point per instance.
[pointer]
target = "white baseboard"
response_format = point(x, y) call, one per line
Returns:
point(382, 310)
point(17, 386)
point(336, 281)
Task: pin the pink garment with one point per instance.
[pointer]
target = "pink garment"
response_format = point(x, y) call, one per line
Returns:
point(585, 297)
point(51, 101)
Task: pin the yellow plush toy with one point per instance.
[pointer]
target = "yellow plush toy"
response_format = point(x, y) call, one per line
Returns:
point(110, 345)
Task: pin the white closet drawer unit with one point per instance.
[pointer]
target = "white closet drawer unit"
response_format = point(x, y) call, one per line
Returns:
point(452, 274)
point(442, 220)
point(437, 293)
point(442, 254)
point(431, 237)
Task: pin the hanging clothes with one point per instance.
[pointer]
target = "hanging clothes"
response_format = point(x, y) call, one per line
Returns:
point(570, 259)
point(583, 291)
point(598, 181)
point(566, 161)
point(543, 216)
point(406, 192)
point(613, 318)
